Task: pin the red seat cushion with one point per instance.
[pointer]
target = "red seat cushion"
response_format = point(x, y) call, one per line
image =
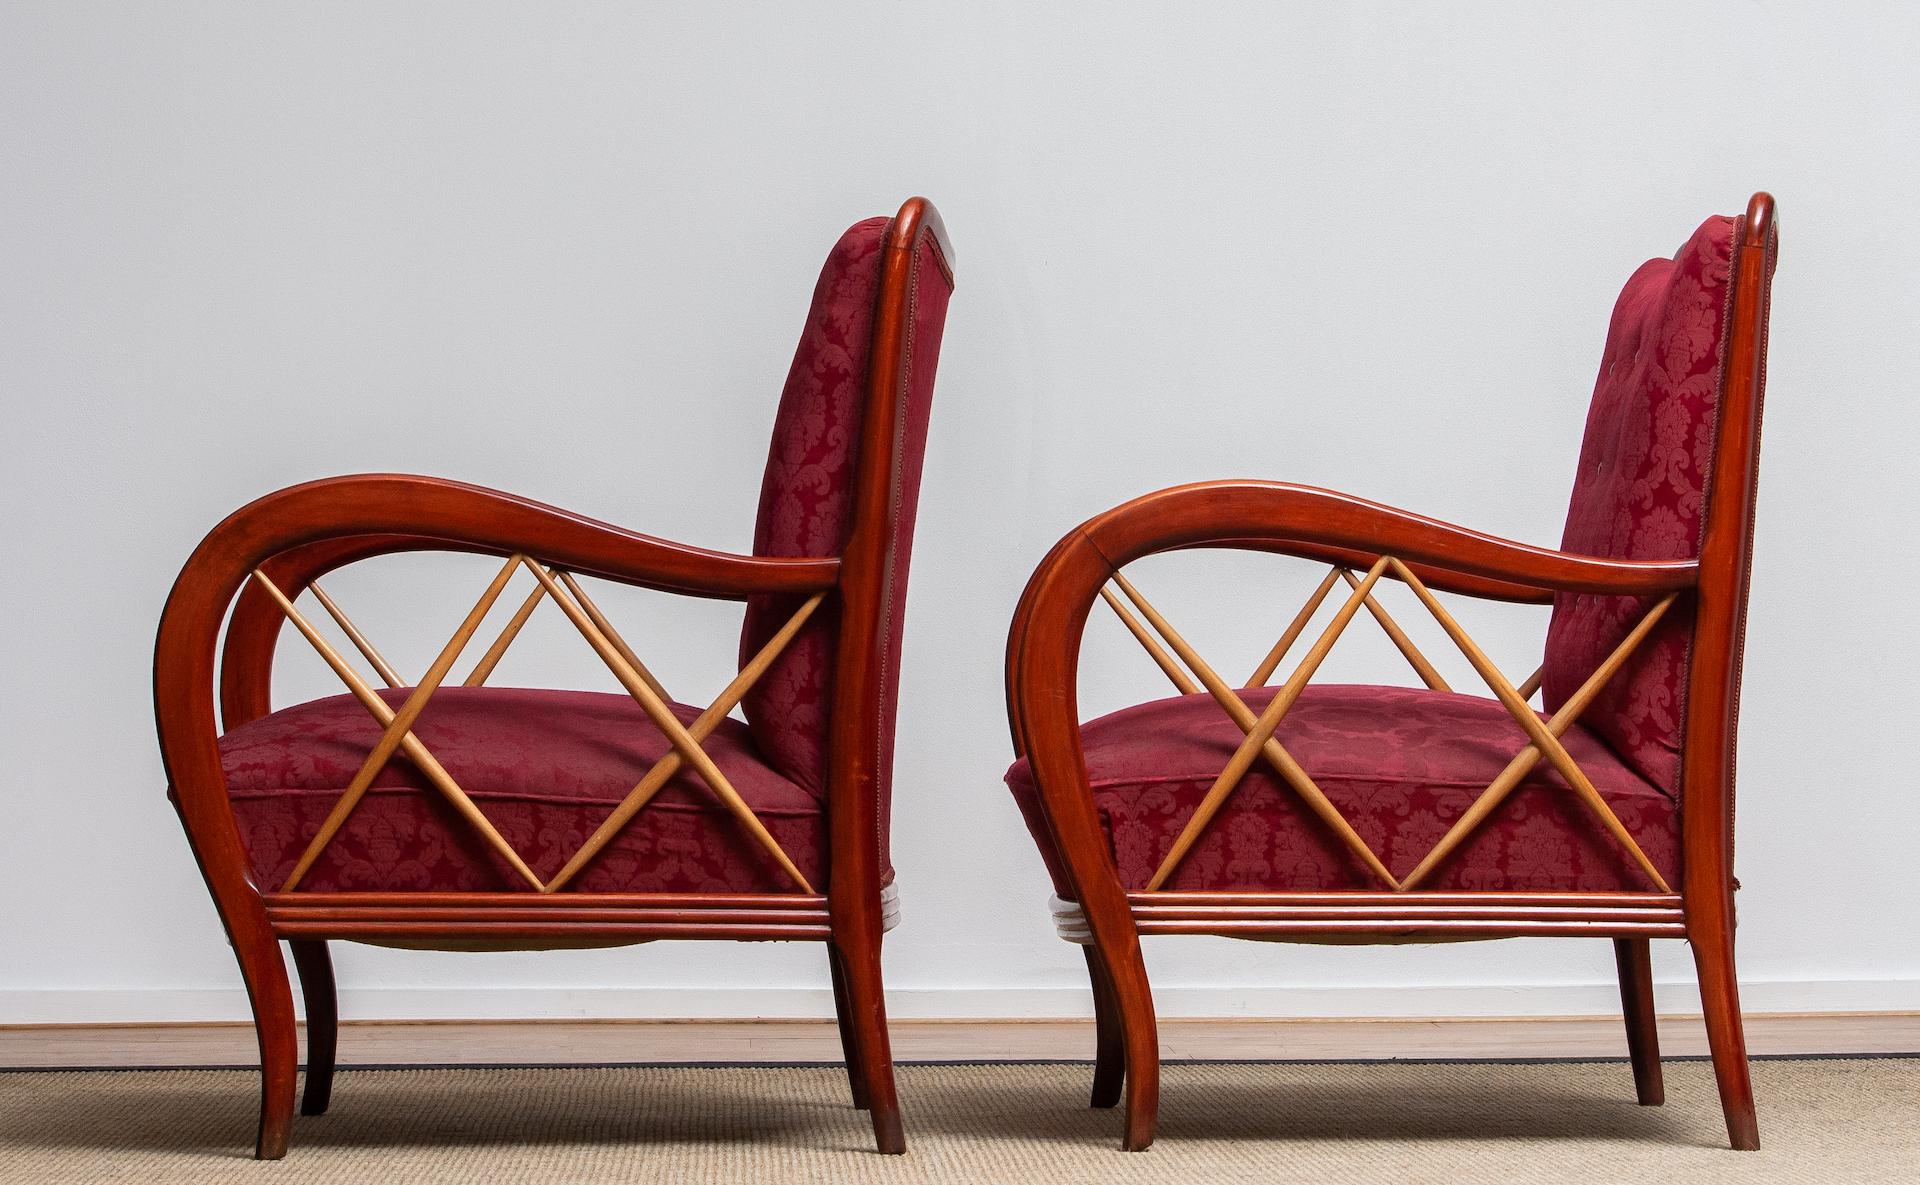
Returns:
point(545, 767)
point(1400, 764)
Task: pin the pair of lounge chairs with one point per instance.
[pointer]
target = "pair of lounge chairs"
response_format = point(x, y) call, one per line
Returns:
point(436, 810)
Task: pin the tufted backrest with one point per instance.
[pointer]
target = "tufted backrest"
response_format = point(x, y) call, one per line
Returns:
point(1646, 472)
point(808, 498)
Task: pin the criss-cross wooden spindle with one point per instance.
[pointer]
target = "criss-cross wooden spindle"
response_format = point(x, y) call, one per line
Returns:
point(1532, 683)
point(409, 744)
point(654, 705)
point(612, 635)
point(1277, 756)
point(1283, 762)
point(399, 727)
point(1543, 738)
point(669, 764)
point(381, 666)
point(1421, 667)
point(1166, 662)
point(1262, 731)
point(508, 633)
point(586, 616)
point(1543, 735)
point(1525, 760)
point(1291, 634)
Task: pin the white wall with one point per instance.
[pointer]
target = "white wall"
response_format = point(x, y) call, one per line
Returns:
point(566, 251)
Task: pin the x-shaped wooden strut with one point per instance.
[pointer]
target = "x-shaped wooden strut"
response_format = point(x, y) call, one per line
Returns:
point(1260, 742)
point(613, 650)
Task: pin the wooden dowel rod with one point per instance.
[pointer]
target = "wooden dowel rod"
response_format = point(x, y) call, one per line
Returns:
point(669, 764)
point(1271, 662)
point(381, 666)
point(1276, 754)
point(612, 635)
point(398, 727)
point(491, 658)
point(1426, 670)
point(1549, 744)
point(1166, 662)
point(676, 733)
point(1261, 732)
point(1317, 653)
point(1524, 761)
point(1533, 681)
point(409, 744)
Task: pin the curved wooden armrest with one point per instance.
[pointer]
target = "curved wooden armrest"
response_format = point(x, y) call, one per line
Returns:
point(373, 514)
point(1338, 528)
point(300, 534)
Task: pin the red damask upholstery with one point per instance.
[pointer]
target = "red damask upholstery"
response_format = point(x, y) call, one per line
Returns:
point(807, 495)
point(1400, 764)
point(545, 767)
point(806, 499)
point(1640, 493)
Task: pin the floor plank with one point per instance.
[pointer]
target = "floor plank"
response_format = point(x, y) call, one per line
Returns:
point(524, 1042)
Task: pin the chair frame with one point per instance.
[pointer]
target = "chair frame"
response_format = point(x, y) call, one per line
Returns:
point(265, 555)
point(1352, 534)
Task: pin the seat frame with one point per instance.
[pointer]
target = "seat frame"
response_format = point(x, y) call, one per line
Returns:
point(277, 547)
point(1352, 534)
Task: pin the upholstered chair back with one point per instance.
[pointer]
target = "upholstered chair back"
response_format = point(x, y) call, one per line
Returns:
point(1646, 472)
point(808, 503)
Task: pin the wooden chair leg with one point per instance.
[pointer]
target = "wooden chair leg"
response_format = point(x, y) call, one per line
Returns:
point(1110, 1050)
point(849, 1036)
point(1712, 939)
point(1132, 998)
point(1634, 959)
point(315, 965)
point(271, 996)
point(866, 1004)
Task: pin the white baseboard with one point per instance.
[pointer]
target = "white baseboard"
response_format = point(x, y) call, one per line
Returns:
point(87, 1006)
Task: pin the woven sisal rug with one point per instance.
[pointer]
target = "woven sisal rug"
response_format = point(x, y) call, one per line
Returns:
point(1831, 1121)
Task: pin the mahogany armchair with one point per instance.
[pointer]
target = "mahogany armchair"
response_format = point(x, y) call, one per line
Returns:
point(1343, 814)
point(432, 814)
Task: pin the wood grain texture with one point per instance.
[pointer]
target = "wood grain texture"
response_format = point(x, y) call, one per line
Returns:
point(418, 753)
point(669, 764)
point(399, 727)
point(645, 691)
point(374, 658)
point(1260, 734)
point(1274, 752)
point(1543, 738)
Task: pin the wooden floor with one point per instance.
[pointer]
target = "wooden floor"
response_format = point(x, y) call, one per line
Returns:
point(617, 1041)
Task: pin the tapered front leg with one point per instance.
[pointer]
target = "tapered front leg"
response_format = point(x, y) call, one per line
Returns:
point(272, 999)
point(849, 1037)
point(1110, 1052)
point(1711, 933)
point(870, 1052)
point(315, 965)
point(1116, 949)
point(1634, 960)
